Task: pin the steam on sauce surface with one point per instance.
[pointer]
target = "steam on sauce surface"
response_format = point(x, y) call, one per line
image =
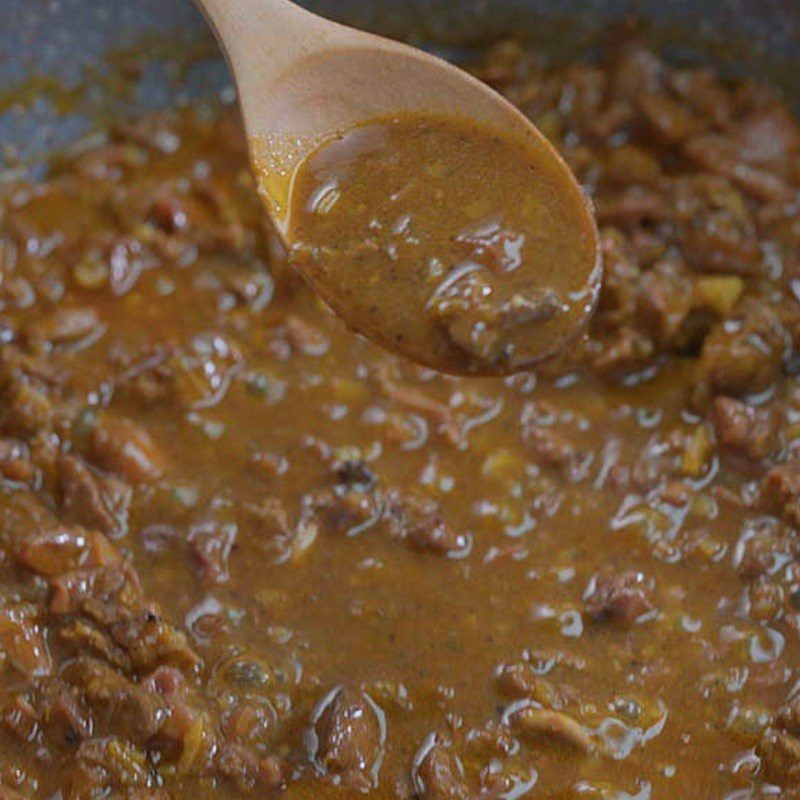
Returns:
point(460, 247)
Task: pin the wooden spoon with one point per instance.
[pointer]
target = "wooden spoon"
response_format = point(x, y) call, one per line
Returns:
point(303, 81)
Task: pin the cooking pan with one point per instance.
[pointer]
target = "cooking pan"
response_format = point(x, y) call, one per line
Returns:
point(49, 47)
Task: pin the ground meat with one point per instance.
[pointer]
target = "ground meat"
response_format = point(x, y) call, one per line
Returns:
point(621, 597)
point(139, 279)
point(743, 429)
point(348, 733)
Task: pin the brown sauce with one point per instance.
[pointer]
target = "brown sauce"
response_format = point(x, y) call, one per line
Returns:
point(245, 553)
point(454, 245)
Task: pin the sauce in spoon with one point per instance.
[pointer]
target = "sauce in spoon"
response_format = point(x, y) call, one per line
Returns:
point(463, 248)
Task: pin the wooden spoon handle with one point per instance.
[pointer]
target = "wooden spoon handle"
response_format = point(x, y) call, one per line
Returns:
point(261, 38)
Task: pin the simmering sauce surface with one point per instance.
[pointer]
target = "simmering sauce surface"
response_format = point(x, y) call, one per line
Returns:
point(247, 553)
point(462, 248)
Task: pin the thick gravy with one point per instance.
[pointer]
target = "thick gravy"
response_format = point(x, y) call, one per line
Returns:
point(457, 246)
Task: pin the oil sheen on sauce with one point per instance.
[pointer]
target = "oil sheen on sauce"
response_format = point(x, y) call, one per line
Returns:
point(464, 249)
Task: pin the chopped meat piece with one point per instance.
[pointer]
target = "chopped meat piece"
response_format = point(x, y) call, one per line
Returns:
point(210, 547)
point(62, 326)
point(789, 716)
point(621, 597)
point(780, 755)
point(149, 640)
point(345, 513)
point(742, 355)
point(117, 705)
point(703, 91)
point(81, 636)
point(65, 716)
point(629, 164)
point(169, 213)
point(588, 86)
point(447, 421)
point(636, 70)
point(249, 772)
point(305, 337)
point(121, 446)
point(743, 429)
point(633, 206)
point(71, 590)
point(716, 242)
point(618, 293)
point(614, 118)
point(548, 446)
point(664, 300)
point(671, 119)
point(626, 352)
point(438, 773)
point(22, 641)
point(21, 718)
point(521, 680)
point(720, 155)
point(97, 501)
point(432, 534)
point(349, 735)
point(355, 475)
point(542, 723)
point(769, 136)
point(53, 551)
point(486, 326)
point(779, 493)
point(107, 766)
point(25, 409)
